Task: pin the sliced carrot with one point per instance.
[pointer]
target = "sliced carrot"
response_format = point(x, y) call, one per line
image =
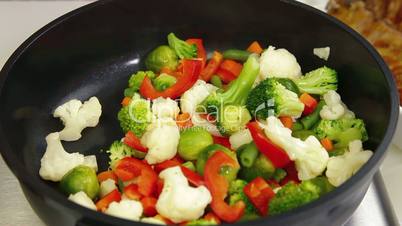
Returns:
point(255, 47)
point(184, 120)
point(226, 76)
point(232, 67)
point(212, 66)
point(113, 196)
point(286, 121)
point(107, 175)
point(310, 103)
point(327, 144)
point(126, 101)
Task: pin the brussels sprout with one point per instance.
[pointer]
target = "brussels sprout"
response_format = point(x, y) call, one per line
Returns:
point(162, 56)
point(164, 81)
point(192, 142)
point(80, 178)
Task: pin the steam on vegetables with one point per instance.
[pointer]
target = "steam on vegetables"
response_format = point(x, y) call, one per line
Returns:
point(239, 136)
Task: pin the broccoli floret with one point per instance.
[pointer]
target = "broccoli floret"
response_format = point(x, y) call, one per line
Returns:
point(319, 81)
point(183, 49)
point(135, 81)
point(236, 194)
point(342, 131)
point(119, 150)
point(200, 222)
point(164, 81)
point(136, 116)
point(271, 97)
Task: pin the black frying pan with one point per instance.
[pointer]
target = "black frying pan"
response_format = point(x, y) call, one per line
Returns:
point(93, 50)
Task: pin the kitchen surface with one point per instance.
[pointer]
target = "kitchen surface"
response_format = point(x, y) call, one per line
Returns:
point(19, 19)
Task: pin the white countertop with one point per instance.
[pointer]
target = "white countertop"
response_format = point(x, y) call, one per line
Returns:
point(20, 19)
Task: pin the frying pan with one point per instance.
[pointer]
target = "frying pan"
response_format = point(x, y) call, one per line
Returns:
point(93, 51)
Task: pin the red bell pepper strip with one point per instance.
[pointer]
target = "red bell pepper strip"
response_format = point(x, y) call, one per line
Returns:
point(212, 66)
point(131, 191)
point(113, 196)
point(310, 103)
point(194, 178)
point(218, 185)
point(107, 175)
point(224, 141)
point(277, 155)
point(129, 168)
point(232, 67)
point(291, 174)
point(201, 53)
point(191, 72)
point(259, 193)
point(149, 206)
point(226, 76)
point(134, 142)
point(159, 187)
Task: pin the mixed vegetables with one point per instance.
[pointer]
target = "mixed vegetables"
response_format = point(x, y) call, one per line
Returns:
point(240, 136)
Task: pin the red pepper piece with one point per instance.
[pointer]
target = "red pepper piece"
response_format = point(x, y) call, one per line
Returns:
point(149, 206)
point(224, 141)
point(131, 191)
point(232, 67)
point(225, 75)
point(291, 174)
point(201, 53)
point(134, 142)
point(310, 103)
point(212, 66)
point(113, 196)
point(259, 193)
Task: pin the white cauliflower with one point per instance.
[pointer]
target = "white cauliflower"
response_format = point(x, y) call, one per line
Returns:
point(322, 53)
point(81, 198)
point(178, 201)
point(279, 63)
point(334, 108)
point(56, 162)
point(197, 120)
point(106, 187)
point(152, 220)
point(77, 116)
point(341, 168)
point(239, 138)
point(162, 108)
point(309, 155)
point(161, 139)
point(195, 95)
point(126, 209)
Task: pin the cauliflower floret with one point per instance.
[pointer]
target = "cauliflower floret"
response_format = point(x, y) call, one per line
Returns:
point(309, 155)
point(77, 116)
point(322, 53)
point(178, 201)
point(334, 108)
point(126, 209)
point(239, 138)
point(162, 107)
point(56, 162)
point(152, 220)
point(194, 96)
point(106, 187)
point(161, 139)
point(81, 198)
point(279, 63)
point(341, 168)
point(197, 120)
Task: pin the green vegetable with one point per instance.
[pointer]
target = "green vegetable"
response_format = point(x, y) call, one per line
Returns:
point(303, 134)
point(192, 142)
point(322, 183)
point(80, 178)
point(297, 126)
point(262, 167)
point(189, 165)
point(342, 131)
point(118, 150)
point(183, 49)
point(216, 81)
point(248, 155)
point(136, 116)
point(271, 97)
point(312, 119)
point(337, 152)
point(162, 56)
point(232, 119)
point(135, 82)
point(201, 222)
point(208, 152)
point(289, 85)
point(236, 194)
point(319, 81)
point(164, 81)
point(279, 174)
point(236, 54)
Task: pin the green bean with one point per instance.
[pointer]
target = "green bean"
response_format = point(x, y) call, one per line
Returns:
point(303, 134)
point(216, 81)
point(310, 120)
point(297, 126)
point(248, 155)
point(236, 54)
point(289, 84)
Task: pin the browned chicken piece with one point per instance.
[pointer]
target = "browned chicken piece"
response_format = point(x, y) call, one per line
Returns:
point(375, 27)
